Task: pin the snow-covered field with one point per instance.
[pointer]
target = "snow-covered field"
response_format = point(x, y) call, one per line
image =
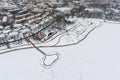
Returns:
point(95, 58)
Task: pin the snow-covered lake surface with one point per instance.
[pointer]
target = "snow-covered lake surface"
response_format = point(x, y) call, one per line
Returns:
point(95, 58)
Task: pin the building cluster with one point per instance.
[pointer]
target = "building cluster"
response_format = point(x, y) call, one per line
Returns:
point(41, 19)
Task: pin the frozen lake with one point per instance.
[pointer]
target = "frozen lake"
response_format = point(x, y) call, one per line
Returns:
point(95, 58)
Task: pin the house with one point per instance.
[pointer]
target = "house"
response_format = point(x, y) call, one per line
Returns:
point(94, 13)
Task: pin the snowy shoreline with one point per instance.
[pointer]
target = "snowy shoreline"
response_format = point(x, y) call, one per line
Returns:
point(96, 58)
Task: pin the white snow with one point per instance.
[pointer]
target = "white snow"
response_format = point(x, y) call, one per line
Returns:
point(95, 58)
point(4, 19)
point(25, 31)
point(63, 9)
point(93, 10)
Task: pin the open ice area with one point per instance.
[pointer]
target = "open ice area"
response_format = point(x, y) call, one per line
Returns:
point(95, 58)
point(59, 39)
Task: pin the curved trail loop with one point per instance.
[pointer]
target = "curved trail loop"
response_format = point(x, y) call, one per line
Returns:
point(46, 56)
